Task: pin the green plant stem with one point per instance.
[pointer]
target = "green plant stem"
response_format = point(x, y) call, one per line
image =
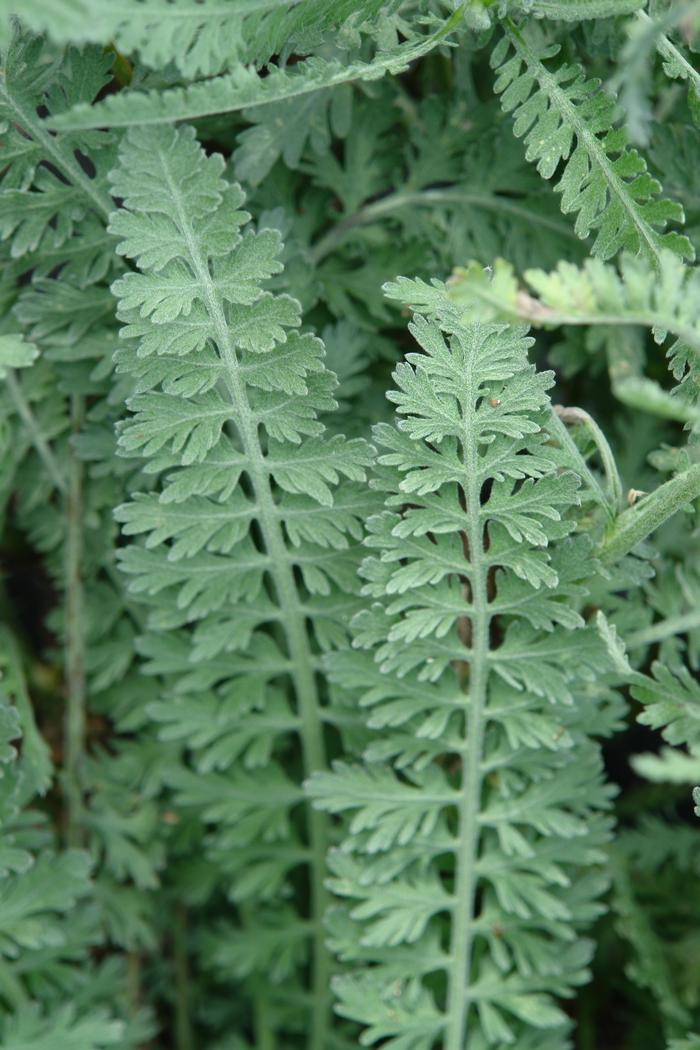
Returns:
point(264, 1035)
point(585, 1020)
point(581, 417)
point(41, 445)
point(561, 433)
point(525, 307)
point(428, 198)
point(635, 524)
point(544, 317)
point(184, 1038)
point(292, 617)
point(75, 715)
point(658, 632)
point(133, 982)
point(468, 831)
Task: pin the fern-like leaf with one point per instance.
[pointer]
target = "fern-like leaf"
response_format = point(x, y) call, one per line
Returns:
point(243, 88)
point(479, 809)
point(664, 299)
point(202, 39)
point(249, 537)
point(567, 120)
point(46, 191)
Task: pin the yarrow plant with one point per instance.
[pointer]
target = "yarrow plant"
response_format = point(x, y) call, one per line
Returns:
point(349, 413)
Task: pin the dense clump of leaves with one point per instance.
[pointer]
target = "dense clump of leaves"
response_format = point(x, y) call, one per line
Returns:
point(330, 716)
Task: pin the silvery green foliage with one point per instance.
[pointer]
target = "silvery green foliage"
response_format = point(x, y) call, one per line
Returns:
point(58, 405)
point(563, 117)
point(185, 489)
point(200, 39)
point(194, 40)
point(48, 918)
point(471, 862)
point(249, 559)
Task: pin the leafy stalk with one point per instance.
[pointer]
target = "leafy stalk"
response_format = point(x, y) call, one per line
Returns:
point(243, 88)
point(290, 605)
point(592, 294)
point(199, 305)
point(561, 117)
point(440, 879)
point(430, 198)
